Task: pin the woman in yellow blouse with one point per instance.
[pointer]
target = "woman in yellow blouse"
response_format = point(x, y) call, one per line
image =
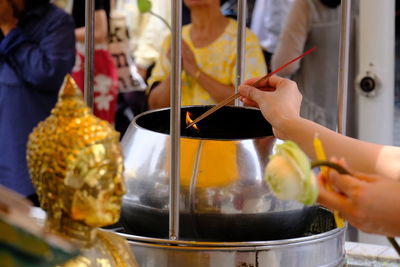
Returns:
point(209, 58)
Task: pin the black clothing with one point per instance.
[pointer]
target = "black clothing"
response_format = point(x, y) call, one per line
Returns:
point(331, 3)
point(78, 10)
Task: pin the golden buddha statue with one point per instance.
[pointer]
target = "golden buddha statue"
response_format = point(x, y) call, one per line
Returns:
point(76, 166)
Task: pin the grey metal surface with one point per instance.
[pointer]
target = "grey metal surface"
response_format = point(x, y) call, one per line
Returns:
point(299, 256)
point(89, 52)
point(343, 65)
point(222, 185)
point(175, 119)
point(240, 45)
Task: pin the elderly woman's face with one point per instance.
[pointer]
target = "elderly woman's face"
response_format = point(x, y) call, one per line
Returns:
point(199, 3)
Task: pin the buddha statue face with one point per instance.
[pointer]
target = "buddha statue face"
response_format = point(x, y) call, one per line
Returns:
point(96, 179)
point(76, 164)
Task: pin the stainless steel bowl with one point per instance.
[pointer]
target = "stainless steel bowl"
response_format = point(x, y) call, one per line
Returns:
point(223, 194)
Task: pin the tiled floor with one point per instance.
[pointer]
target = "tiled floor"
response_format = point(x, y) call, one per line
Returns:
point(360, 255)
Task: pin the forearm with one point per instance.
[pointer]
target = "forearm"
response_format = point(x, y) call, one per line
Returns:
point(159, 97)
point(281, 107)
point(46, 61)
point(99, 35)
point(100, 29)
point(80, 34)
point(388, 162)
point(361, 156)
point(217, 90)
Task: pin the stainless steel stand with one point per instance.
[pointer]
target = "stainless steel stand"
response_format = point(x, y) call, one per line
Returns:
point(175, 119)
point(89, 52)
point(240, 46)
point(343, 76)
point(324, 249)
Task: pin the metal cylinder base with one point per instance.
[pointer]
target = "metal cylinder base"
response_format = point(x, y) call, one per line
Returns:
point(322, 245)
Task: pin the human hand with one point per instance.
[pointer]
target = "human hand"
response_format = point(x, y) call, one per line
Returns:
point(369, 202)
point(278, 99)
point(7, 18)
point(188, 60)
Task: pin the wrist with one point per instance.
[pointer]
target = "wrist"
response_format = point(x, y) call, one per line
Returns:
point(284, 126)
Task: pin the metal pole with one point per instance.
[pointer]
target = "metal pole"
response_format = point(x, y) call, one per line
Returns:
point(175, 118)
point(240, 46)
point(89, 52)
point(343, 81)
point(343, 66)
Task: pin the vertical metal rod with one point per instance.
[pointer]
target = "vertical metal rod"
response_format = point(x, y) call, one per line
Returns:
point(175, 118)
point(89, 52)
point(343, 66)
point(240, 45)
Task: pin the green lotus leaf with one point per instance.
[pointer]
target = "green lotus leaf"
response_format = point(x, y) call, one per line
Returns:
point(144, 6)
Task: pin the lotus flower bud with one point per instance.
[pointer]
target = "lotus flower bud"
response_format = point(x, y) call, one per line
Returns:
point(289, 174)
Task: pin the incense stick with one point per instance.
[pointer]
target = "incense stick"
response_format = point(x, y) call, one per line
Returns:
point(255, 84)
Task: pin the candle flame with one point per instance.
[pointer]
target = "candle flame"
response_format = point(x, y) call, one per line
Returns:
point(189, 120)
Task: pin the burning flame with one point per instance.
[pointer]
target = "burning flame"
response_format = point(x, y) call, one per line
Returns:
point(189, 120)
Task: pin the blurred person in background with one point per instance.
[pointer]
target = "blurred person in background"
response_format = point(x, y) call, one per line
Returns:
point(310, 23)
point(37, 49)
point(146, 33)
point(105, 73)
point(209, 58)
point(267, 20)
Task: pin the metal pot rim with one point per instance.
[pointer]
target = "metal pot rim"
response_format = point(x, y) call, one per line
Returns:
point(134, 122)
point(257, 245)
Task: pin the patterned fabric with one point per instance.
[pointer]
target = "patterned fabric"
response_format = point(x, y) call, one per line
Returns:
point(217, 60)
point(105, 81)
